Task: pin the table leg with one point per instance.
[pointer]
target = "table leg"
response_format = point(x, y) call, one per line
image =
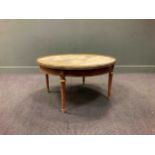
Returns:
point(83, 80)
point(62, 90)
point(110, 83)
point(47, 82)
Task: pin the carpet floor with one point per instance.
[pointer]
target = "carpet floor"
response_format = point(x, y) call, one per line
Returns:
point(27, 108)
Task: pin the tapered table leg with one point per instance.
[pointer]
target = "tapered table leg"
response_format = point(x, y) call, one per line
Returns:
point(47, 82)
point(62, 90)
point(110, 83)
point(83, 80)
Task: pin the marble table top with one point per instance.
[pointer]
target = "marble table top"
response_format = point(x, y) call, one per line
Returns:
point(76, 61)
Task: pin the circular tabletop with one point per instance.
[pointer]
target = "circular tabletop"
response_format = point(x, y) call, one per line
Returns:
point(76, 61)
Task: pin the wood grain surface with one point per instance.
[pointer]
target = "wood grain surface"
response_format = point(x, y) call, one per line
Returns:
point(76, 61)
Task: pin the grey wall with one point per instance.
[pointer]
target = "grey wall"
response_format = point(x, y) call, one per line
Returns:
point(132, 42)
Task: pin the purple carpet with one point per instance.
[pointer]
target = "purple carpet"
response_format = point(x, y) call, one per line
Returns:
point(27, 108)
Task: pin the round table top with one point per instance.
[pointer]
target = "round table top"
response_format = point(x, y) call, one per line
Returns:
point(76, 61)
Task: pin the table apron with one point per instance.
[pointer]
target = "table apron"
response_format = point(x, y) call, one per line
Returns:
point(88, 72)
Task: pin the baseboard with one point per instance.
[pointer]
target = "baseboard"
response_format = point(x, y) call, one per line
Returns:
point(19, 69)
point(118, 68)
point(135, 68)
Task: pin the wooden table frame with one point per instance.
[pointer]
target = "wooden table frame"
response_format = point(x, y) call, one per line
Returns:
point(78, 73)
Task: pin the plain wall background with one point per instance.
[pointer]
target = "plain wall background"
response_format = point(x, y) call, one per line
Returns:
point(132, 42)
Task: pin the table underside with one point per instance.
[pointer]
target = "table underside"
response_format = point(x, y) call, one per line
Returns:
point(77, 73)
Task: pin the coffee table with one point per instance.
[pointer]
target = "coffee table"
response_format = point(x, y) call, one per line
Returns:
point(79, 65)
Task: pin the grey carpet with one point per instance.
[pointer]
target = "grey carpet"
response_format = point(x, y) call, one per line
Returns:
point(27, 108)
